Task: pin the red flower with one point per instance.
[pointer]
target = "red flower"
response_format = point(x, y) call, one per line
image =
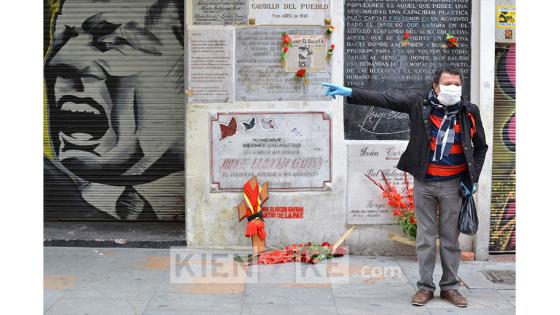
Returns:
point(401, 204)
point(300, 73)
point(285, 49)
point(332, 46)
point(406, 35)
point(453, 42)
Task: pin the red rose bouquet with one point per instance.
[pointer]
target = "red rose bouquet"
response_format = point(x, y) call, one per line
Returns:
point(309, 252)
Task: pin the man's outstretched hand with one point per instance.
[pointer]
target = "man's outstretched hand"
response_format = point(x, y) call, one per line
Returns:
point(335, 89)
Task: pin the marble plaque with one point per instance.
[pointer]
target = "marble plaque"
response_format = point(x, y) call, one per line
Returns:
point(376, 57)
point(219, 12)
point(291, 150)
point(210, 65)
point(261, 76)
point(289, 12)
point(365, 203)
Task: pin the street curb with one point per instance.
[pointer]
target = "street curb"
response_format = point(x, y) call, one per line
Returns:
point(114, 243)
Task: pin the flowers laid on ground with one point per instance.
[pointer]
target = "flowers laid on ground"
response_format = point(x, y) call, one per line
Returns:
point(285, 45)
point(452, 42)
point(301, 74)
point(309, 252)
point(405, 38)
point(403, 206)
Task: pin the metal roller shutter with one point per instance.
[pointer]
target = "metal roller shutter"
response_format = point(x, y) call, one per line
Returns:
point(114, 121)
point(502, 220)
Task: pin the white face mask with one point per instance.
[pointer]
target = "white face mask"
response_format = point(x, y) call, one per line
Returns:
point(449, 94)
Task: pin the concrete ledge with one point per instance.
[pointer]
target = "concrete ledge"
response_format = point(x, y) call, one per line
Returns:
point(114, 234)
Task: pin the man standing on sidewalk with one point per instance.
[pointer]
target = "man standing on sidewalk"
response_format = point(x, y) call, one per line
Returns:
point(447, 146)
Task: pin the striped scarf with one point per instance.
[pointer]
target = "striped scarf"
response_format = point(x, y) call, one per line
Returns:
point(446, 131)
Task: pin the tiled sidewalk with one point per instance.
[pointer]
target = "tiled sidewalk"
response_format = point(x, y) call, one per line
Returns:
point(138, 281)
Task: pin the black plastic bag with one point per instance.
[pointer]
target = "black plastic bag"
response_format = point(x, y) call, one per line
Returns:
point(468, 219)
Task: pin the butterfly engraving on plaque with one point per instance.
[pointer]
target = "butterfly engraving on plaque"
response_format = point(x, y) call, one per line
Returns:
point(296, 132)
point(228, 130)
point(250, 124)
point(268, 124)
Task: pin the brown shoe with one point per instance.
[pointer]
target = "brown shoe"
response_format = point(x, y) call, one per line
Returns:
point(454, 297)
point(422, 297)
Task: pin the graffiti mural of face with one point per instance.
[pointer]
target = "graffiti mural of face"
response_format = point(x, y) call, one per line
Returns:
point(114, 80)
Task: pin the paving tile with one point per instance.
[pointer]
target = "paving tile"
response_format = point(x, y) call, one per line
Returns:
point(377, 305)
point(97, 306)
point(114, 286)
point(270, 274)
point(201, 288)
point(475, 279)
point(50, 297)
point(270, 294)
point(509, 295)
point(368, 270)
point(469, 311)
point(283, 309)
point(378, 260)
point(367, 290)
point(477, 299)
point(469, 272)
point(101, 291)
point(184, 303)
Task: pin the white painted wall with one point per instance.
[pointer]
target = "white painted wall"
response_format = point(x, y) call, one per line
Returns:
point(211, 219)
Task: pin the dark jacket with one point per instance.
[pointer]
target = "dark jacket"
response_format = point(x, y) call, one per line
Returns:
point(414, 160)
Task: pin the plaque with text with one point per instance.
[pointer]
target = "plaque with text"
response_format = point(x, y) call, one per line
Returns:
point(210, 65)
point(291, 150)
point(365, 203)
point(376, 59)
point(288, 12)
point(307, 52)
point(261, 76)
point(219, 12)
